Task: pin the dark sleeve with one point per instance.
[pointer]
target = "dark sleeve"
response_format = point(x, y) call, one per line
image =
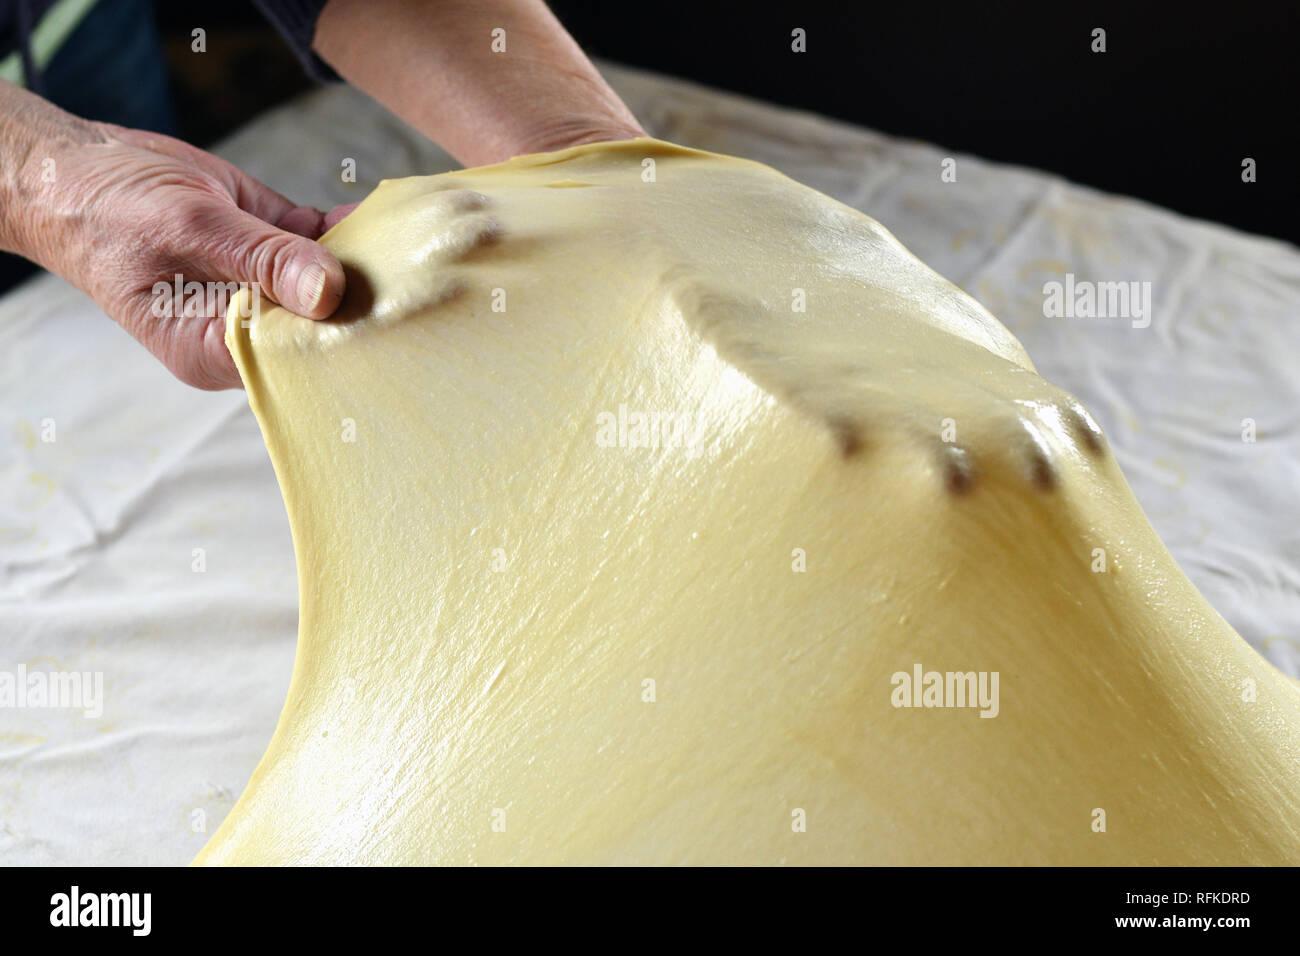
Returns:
point(296, 21)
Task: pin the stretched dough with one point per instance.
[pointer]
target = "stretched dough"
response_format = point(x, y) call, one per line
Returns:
point(526, 637)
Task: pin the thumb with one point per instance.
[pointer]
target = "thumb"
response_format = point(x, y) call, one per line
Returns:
point(299, 274)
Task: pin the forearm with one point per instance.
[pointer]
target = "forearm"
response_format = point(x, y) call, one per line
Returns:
point(33, 135)
point(432, 63)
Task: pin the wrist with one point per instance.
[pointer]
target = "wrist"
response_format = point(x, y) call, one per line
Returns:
point(35, 137)
point(577, 131)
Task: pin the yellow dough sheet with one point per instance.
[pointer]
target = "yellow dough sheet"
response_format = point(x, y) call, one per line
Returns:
point(651, 507)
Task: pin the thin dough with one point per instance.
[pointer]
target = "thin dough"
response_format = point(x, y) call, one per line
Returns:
point(526, 638)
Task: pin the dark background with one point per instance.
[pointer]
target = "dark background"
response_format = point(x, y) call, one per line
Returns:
point(1184, 92)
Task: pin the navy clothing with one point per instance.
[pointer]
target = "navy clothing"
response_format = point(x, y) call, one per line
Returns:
point(295, 19)
point(111, 68)
point(17, 20)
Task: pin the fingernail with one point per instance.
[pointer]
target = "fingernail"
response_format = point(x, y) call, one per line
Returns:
point(311, 286)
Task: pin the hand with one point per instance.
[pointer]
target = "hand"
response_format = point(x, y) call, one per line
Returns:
point(125, 212)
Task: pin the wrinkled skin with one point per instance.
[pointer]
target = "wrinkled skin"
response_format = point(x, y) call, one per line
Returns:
point(206, 221)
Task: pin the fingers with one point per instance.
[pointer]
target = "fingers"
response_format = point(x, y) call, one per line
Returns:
point(192, 345)
point(292, 270)
point(223, 243)
point(211, 367)
point(216, 369)
point(303, 221)
point(337, 214)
